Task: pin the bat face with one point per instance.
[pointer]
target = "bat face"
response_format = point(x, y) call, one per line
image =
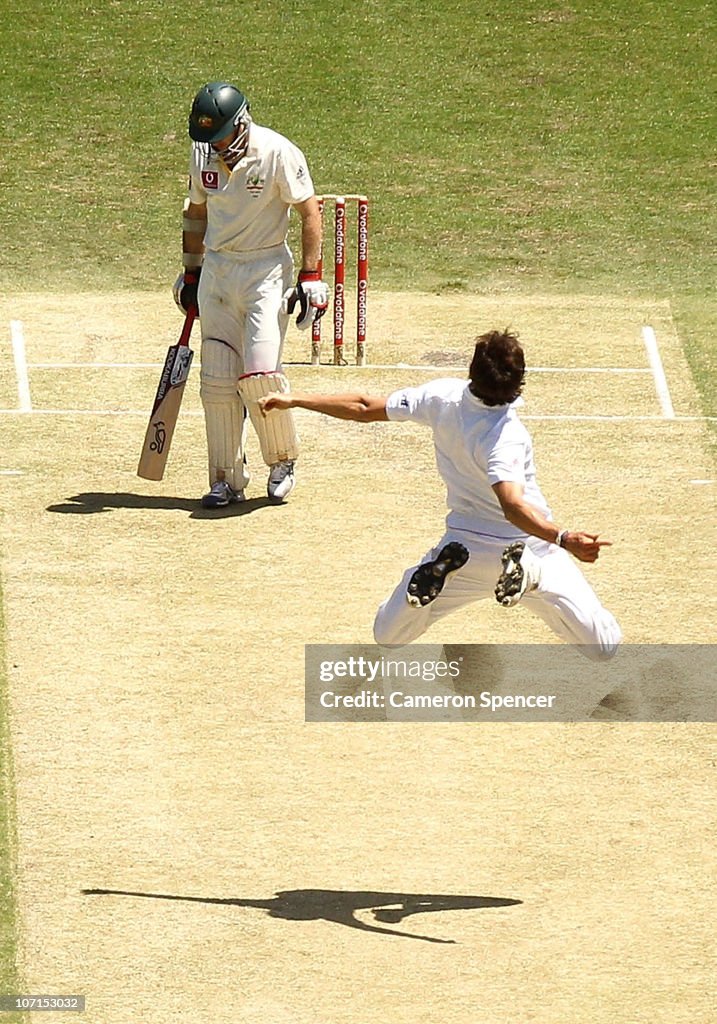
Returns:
point(167, 402)
point(160, 437)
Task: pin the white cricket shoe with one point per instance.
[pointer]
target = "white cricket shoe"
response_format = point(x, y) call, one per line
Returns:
point(521, 573)
point(281, 480)
point(221, 495)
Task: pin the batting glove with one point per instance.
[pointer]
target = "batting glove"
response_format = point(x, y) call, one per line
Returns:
point(185, 287)
point(312, 294)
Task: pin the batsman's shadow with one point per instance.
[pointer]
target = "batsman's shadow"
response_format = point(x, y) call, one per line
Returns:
point(340, 906)
point(91, 502)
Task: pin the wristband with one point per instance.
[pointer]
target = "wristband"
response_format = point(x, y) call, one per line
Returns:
point(309, 275)
point(192, 260)
point(560, 539)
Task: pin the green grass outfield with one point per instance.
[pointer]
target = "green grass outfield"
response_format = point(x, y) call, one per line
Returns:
point(529, 146)
point(526, 146)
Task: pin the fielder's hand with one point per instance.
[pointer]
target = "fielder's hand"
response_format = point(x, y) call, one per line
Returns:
point(585, 546)
point(277, 400)
point(185, 287)
point(312, 294)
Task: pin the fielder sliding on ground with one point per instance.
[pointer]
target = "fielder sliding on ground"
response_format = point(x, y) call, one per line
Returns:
point(243, 181)
point(499, 525)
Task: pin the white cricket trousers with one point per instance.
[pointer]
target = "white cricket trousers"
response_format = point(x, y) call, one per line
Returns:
point(243, 331)
point(240, 306)
point(564, 599)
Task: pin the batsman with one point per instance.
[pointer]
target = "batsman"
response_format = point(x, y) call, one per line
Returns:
point(244, 180)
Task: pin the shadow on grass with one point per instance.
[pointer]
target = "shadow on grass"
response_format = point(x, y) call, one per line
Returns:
point(91, 502)
point(340, 906)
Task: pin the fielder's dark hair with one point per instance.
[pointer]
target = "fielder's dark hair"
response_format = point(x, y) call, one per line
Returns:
point(497, 370)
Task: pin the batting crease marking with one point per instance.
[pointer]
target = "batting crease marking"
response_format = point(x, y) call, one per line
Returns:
point(20, 360)
point(658, 372)
point(330, 366)
point(538, 417)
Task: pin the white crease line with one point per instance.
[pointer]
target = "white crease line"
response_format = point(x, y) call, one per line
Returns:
point(330, 366)
point(622, 419)
point(18, 354)
point(658, 372)
point(95, 366)
point(547, 417)
point(464, 369)
point(93, 412)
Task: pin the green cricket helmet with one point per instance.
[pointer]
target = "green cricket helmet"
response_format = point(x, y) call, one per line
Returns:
point(217, 110)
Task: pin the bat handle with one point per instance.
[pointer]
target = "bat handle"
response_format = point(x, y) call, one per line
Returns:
point(189, 319)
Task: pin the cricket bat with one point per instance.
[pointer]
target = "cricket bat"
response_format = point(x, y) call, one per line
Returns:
point(166, 404)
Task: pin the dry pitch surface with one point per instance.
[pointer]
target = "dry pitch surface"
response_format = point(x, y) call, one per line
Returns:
point(156, 695)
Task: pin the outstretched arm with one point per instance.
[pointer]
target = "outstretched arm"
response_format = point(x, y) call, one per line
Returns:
point(584, 546)
point(362, 408)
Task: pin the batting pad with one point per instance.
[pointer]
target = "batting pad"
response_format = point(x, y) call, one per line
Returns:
point(225, 421)
point(276, 431)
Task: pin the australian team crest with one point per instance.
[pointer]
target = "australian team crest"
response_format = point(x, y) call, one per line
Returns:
point(255, 183)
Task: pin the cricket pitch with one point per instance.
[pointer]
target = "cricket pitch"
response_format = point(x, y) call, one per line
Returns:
point(155, 663)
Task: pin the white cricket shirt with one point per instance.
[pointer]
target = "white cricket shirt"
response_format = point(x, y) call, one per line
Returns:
point(476, 446)
point(248, 207)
